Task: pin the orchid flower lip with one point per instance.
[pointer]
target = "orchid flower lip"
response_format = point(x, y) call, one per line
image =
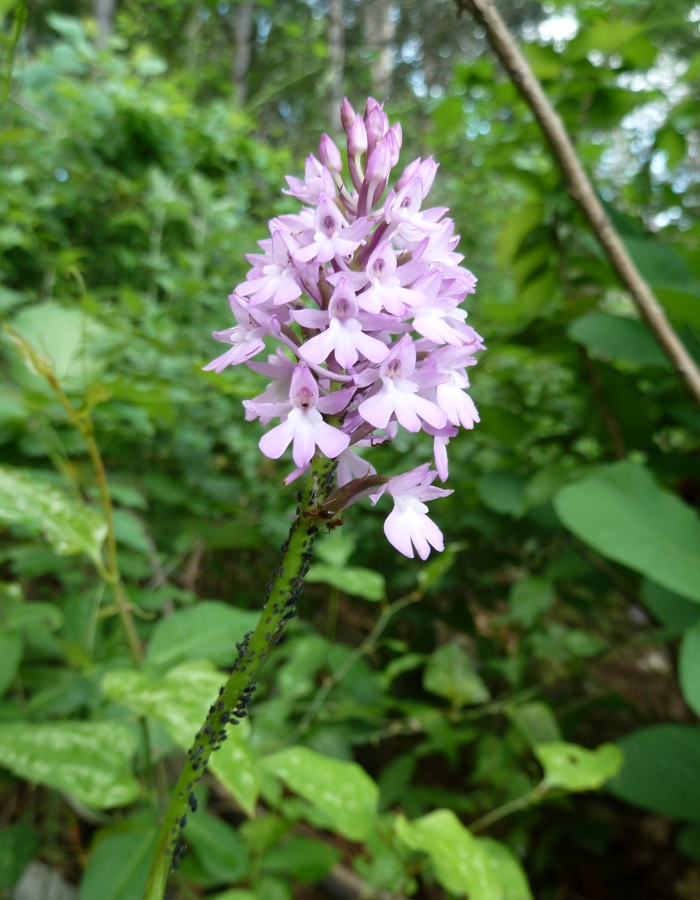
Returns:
point(361, 289)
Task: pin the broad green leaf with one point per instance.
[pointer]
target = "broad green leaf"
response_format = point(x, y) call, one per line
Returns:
point(670, 609)
point(74, 343)
point(353, 580)
point(536, 722)
point(505, 867)
point(219, 851)
point(661, 770)
point(27, 616)
point(11, 648)
point(574, 768)
point(336, 548)
point(305, 859)
point(90, 760)
point(18, 844)
point(209, 630)
point(529, 599)
point(342, 790)
point(623, 514)
point(503, 492)
point(181, 700)
point(450, 674)
point(689, 668)
point(119, 863)
point(36, 503)
point(462, 864)
point(617, 338)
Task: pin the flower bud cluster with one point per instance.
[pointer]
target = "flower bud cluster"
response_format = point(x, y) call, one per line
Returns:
point(361, 289)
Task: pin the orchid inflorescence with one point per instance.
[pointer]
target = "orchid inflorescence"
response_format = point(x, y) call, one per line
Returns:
point(344, 286)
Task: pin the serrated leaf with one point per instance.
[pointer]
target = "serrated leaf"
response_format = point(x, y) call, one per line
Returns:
point(90, 760)
point(450, 674)
point(622, 513)
point(574, 768)
point(342, 790)
point(36, 503)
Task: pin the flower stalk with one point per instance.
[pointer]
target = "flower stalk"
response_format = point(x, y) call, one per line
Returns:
point(231, 705)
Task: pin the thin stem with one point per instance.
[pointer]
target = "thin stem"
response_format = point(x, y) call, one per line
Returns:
point(533, 796)
point(581, 189)
point(365, 647)
point(20, 18)
point(234, 697)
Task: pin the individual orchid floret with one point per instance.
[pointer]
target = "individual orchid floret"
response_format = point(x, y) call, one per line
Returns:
point(332, 236)
point(344, 335)
point(304, 427)
point(398, 395)
point(451, 394)
point(317, 180)
point(385, 290)
point(246, 338)
point(277, 279)
point(408, 525)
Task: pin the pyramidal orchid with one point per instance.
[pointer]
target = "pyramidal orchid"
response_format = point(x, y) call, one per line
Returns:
point(361, 289)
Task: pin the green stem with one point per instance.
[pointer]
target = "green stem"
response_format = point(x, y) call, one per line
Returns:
point(533, 796)
point(20, 19)
point(234, 696)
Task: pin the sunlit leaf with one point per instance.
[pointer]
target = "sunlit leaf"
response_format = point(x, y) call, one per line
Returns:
point(574, 768)
point(342, 790)
point(90, 760)
point(37, 504)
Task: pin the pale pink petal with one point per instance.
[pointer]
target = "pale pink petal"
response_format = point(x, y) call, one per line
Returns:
point(397, 533)
point(318, 349)
point(331, 441)
point(377, 410)
point(276, 441)
point(371, 348)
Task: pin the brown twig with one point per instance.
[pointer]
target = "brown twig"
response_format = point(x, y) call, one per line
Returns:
point(580, 188)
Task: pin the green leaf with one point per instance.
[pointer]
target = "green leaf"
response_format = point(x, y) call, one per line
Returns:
point(11, 648)
point(208, 630)
point(623, 514)
point(432, 572)
point(609, 37)
point(503, 492)
point(18, 844)
point(504, 865)
point(73, 343)
point(536, 722)
point(689, 668)
point(119, 863)
point(461, 862)
point(342, 790)
point(670, 609)
point(574, 768)
point(181, 699)
point(31, 501)
point(90, 760)
point(352, 580)
point(661, 770)
point(336, 548)
point(617, 338)
point(529, 599)
point(305, 859)
point(29, 616)
point(450, 674)
point(219, 851)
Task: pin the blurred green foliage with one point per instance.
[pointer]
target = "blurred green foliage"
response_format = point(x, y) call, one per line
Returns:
point(131, 186)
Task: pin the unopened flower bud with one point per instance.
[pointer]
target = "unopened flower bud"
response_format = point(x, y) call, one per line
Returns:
point(357, 137)
point(376, 123)
point(379, 163)
point(347, 114)
point(330, 155)
point(396, 133)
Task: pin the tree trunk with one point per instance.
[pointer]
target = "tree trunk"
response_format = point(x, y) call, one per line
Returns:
point(380, 30)
point(336, 53)
point(104, 16)
point(244, 50)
